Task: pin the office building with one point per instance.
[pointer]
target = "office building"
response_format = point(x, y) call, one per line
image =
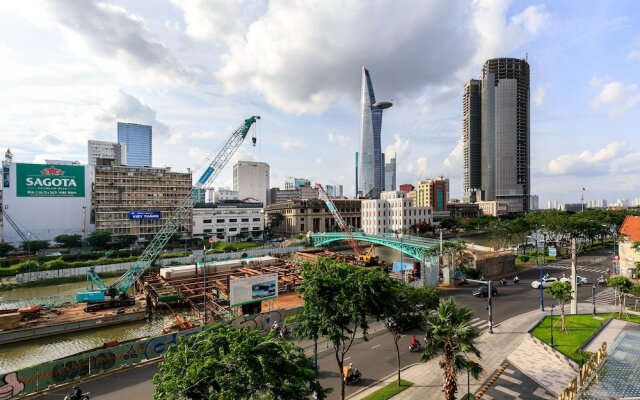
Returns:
point(598, 203)
point(138, 141)
point(390, 175)
point(393, 212)
point(534, 202)
point(505, 144)
point(493, 208)
point(294, 183)
point(554, 205)
point(463, 210)
point(228, 220)
point(221, 195)
point(304, 192)
point(106, 153)
point(471, 139)
point(301, 216)
point(433, 193)
point(251, 181)
point(407, 187)
point(370, 167)
point(138, 201)
point(198, 195)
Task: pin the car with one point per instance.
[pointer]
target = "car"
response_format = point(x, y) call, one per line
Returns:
point(579, 280)
point(483, 291)
point(546, 282)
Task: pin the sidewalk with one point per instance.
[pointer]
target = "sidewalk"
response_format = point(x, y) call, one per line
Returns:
point(510, 337)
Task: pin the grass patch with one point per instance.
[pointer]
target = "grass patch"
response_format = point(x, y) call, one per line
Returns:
point(389, 391)
point(580, 328)
point(54, 281)
point(222, 247)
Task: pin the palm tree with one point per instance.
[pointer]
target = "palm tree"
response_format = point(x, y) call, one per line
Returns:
point(452, 337)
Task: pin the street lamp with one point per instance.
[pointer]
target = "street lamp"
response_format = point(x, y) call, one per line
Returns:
point(593, 297)
point(614, 231)
point(29, 252)
point(551, 325)
point(535, 236)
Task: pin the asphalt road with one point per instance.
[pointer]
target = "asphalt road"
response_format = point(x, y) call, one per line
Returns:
point(376, 358)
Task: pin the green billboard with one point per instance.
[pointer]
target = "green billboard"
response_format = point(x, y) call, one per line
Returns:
point(49, 180)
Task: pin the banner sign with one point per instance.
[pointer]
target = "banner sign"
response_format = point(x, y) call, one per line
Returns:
point(136, 215)
point(38, 180)
point(402, 266)
point(552, 252)
point(253, 289)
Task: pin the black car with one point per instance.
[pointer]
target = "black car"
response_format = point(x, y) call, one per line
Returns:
point(483, 291)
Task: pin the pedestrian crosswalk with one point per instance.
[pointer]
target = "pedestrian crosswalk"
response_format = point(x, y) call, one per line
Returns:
point(606, 296)
point(579, 268)
point(480, 324)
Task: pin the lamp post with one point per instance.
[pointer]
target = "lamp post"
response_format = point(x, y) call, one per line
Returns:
point(535, 237)
point(614, 231)
point(551, 325)
point(593, 297)
point(29, 252)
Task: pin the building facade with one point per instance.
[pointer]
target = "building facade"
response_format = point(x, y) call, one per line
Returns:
point(99, 152)
point(304, 193)
point(138, 140)
point(471, 138)
point(138, 201)
point(463, 210)
point(394, 212)
point(390, 175)
point(224, 195)
point(45, 200)
point(505, 133)
point(493, 208)
point(369, 159)
point(251, 180)
point(292, 183)
point(228, 220)
point(407, 187)
point(433, 193)
point(302, 216)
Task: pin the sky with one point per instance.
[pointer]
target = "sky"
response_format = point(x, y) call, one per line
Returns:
point(195, 69)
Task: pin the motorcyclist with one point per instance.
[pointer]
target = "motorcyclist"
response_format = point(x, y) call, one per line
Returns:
point(516, 279)
point(76, 393)
point(503, 281)
point(348, 371)
point(414, 341)
point(275, 326)
point(284, 331)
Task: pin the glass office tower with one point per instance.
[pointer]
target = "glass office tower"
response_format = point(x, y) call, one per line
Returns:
point(138, 140)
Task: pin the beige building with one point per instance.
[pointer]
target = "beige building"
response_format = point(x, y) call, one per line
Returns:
point(301, 216)
point(137, 200)
point(493, 208)
point(393, 212)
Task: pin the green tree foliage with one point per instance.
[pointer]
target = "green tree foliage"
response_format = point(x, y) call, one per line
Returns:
point(622, 286)
point(275, 220)
point(69, 241)
point(520, 229)
point(453, 338)
point(561, 291)
point(99, 238)
point(5, 248)
point(126, 240)
point(224, 363)
point(35, 245)
point(500, 234)
point(450, 223)
point(338, 298)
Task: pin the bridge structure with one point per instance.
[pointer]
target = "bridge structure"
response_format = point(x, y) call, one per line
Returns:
point(413, 246)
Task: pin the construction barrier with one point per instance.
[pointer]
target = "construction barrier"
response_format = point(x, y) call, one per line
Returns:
point(101, 360)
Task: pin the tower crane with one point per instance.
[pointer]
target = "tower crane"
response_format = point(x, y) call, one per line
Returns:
point(362, 258)
point(117, 291)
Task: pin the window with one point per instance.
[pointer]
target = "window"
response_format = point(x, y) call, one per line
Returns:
point(233, 220)
point(244, 229)
point(220, 230)
point(207, 231)
point(244, 220)
point(206, 221)
point(220, 221)
point(233, 229)
point(256, 220)
point(255, 228)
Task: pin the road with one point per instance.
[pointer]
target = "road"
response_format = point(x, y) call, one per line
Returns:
point(377, 357)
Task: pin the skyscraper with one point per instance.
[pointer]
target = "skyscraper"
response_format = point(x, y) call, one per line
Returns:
point(390, 175)
point(138, 140)
point(251, 180)
point(107, 151)
point(370, 166)
point(471, 123)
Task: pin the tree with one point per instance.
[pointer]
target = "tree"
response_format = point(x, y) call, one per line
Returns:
point(35, 245)
point(499, 234)
point(5, 248)
point(520, 228)
point(448, 223)
point(223, 362)
point(561, 291)
point(126, 240)
point(338, 298)
point(452, 336)
point(622, 286)
point(69, 241)
point(99, 238)
point(275, 220)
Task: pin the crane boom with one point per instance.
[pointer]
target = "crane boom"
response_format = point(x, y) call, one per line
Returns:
point(123, 283)
point(339, 220)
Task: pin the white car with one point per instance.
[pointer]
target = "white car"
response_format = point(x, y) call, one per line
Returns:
point(546, 282)
point(579, 280)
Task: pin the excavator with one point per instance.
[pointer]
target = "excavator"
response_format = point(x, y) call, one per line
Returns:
point(116, 292)
point(361, 258)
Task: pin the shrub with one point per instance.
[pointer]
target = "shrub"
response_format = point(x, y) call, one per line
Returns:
point(524, 259)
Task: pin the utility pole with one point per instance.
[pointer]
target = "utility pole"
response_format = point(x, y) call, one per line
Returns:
point(204, 291)
point(490, 308)
point(574, 278)
point(84, 222)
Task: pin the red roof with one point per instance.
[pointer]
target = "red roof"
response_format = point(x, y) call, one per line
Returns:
point(631, 228)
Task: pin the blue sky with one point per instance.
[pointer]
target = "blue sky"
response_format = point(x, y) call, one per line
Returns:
point(69, 70)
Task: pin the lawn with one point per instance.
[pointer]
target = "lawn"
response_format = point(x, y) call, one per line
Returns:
point(580, 328)
point(389, 391)
point(226, 246)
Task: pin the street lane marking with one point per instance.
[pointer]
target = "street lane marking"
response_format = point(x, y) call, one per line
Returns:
point(475, 319)
point(378, 345)
point(347, 358)
point(509, 371)
point(479, 323)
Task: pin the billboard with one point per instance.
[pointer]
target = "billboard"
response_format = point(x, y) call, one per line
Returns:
point(51, 180)
point(253, 289)
point(402, 266)
point(136, 215)
point(552, 252)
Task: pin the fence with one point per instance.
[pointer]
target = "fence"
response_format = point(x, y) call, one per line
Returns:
point(81, 271)
point(93, 362)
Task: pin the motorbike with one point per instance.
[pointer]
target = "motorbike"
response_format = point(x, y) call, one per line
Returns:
point(415, 348)
point(85, 396)
point(516, 281)
point(355, 377)
point(601, 281)
point(503, 282)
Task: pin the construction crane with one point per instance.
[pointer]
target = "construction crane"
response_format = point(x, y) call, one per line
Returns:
point(16, 228)
point(117, 291)
point(362, 258)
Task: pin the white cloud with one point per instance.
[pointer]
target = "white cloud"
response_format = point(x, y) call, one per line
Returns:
point(400, 147)
point(453, 163)
point(586, 162)
point(319, 160)
point(207, 20)
point(290, 143)
point(539, 93)
point(421, 169)
point(344, 141)
point(616, 96)
point(125, 107)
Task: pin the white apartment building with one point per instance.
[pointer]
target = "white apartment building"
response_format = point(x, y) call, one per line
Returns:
point(393, 212)
point(224, 195)
point(493, 208)
point(228, 219)
point(106, 150)
point(251, 180)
